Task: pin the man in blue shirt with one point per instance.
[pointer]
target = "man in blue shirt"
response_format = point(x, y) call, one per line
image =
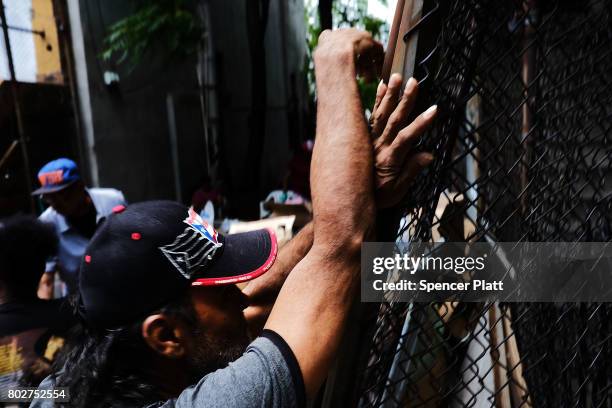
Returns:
point(75, 211)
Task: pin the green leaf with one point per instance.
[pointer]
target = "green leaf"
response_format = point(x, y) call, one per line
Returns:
point(168, 23)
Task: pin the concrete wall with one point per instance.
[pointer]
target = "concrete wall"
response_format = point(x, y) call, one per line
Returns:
point(129, 128)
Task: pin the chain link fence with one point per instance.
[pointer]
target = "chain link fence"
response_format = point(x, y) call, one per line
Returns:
point(523, 147)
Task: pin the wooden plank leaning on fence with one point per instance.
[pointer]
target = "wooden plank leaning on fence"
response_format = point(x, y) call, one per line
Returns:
point(401, 55)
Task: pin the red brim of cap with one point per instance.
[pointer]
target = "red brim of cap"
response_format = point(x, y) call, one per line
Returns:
point(245, 256)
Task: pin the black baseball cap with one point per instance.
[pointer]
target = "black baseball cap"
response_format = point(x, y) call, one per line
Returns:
point(149, 253)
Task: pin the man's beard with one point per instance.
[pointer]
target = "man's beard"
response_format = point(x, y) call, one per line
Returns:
point(212, 353)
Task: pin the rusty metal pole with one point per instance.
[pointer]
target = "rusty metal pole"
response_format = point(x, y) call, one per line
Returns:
point(16, 103)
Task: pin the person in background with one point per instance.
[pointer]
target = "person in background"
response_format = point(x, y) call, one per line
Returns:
point(298, 176)
point(26, 322)
point(204, 193)
point(294, 198)
point(75, 211)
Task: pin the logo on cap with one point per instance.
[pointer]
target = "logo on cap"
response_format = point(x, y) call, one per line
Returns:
point(194, 248)
point(51, 178)
point(197, 223)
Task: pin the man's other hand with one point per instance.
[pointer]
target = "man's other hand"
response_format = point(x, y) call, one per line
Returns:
point(45, 286)
point(395, 162)
point(350, 48)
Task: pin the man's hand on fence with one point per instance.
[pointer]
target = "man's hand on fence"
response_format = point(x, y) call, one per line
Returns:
point(396, 164)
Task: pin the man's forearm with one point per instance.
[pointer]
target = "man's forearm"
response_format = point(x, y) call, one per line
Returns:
point(264, 289)
point(341, 176)
point(262, 292)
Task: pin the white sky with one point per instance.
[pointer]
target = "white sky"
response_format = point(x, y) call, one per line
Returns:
point(19, 14)
point(377, 9)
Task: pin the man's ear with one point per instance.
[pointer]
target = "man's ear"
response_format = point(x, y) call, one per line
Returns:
point(164, 335)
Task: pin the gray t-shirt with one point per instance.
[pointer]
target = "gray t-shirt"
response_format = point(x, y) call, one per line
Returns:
point(267, 375)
